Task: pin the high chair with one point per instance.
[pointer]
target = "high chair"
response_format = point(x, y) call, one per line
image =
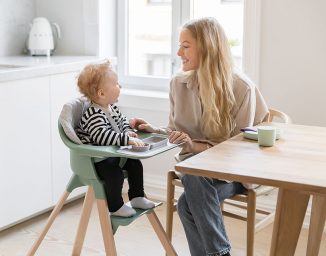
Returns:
point(246, 201)
point(82, 159)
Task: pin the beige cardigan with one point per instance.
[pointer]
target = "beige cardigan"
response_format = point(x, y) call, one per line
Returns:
point(186, 111)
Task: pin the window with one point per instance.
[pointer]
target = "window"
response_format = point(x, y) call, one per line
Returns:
point(230, 1)
point(144, 43)
point(159, 2)
point(148, 36)
point(229, 13)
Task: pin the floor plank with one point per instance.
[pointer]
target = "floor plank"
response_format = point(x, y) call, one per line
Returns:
point(136, 239)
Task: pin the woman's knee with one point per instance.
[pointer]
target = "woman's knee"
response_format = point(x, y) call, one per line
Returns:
point(182, 205)
point(194, 181)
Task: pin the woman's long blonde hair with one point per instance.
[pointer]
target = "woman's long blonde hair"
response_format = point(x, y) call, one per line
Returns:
point(214, 77)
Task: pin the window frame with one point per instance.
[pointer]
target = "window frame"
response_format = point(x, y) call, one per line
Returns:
point(252, 39)
point(129, 81)
point(182, 10)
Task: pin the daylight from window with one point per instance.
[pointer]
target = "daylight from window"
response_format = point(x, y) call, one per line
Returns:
point(150, 29)
point(229, 13)
point(149, 45)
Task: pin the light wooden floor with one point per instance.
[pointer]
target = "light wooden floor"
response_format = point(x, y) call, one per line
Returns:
point(136, 239)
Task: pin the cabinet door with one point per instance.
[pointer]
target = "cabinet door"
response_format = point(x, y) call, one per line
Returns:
point(63, 88)
point(25, 169)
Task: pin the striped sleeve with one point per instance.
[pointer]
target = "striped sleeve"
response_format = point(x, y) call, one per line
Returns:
point(122, 120)
point(96, 125)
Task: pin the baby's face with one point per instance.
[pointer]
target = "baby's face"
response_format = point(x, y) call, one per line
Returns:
point(110, 88)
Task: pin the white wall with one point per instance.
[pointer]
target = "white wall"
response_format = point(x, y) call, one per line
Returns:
point(88, 26)
point(82, 33)
point(78, 21)
point(293, 58)
point(15, 16)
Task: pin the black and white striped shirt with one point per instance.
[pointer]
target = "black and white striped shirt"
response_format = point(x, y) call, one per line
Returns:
point(95, 127)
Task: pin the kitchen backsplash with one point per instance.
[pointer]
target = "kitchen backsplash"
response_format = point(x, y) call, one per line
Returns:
point(15, 16)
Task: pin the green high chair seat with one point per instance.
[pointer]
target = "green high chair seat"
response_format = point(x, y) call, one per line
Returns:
point(82, 159)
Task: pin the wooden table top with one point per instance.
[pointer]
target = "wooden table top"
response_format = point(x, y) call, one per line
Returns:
point(296, 161)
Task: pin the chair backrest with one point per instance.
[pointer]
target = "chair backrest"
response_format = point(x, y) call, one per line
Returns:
point(81, 165)
point(70, 117)
point(276, 115)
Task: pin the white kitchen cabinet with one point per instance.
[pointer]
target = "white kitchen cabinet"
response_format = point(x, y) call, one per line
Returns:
point(63, 88)
point(34, 162)
point(25, 152)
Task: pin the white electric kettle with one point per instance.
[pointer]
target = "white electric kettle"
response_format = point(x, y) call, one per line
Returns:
point(41, 40)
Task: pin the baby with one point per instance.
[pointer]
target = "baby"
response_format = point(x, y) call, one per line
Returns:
point(104, 124)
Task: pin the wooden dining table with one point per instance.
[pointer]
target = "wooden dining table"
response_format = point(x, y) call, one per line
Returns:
point(296, 164)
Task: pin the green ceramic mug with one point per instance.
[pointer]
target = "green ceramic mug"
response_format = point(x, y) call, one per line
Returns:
point(266, 136)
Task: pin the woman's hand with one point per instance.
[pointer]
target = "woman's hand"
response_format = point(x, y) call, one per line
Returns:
point(132, 134)
point(135, 142)
point(177, 137)
point(141, 125)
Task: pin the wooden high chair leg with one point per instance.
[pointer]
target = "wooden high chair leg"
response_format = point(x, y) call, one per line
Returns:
point(52, 217)
point(83, 223)
point(106, 227)
point(158, 228)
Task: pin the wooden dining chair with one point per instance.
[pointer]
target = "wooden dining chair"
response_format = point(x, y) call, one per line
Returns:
point(246, 201)
point(82, 159)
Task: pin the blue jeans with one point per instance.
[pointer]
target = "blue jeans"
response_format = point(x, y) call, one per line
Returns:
point(201, 216)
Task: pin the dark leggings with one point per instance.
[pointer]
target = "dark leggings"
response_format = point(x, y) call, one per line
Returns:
point(112, 175)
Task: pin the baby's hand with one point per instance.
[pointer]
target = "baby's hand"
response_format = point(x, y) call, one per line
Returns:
point(132, 134)
point(135, 142)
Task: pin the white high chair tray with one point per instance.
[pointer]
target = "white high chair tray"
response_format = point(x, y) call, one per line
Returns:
point(158, 144)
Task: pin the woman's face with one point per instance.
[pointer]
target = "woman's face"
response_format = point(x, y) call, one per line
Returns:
point(188, 51)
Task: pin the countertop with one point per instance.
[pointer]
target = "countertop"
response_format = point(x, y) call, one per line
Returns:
point(23, 66)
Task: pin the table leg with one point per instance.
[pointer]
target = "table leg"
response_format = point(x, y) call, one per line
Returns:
point(290, 211)
point(317, 222)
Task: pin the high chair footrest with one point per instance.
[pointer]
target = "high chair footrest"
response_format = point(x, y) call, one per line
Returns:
point(125, 221)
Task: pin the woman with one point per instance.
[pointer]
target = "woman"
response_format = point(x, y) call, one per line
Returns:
point(209, 103)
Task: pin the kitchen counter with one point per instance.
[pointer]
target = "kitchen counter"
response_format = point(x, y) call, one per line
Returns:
point(23, 66)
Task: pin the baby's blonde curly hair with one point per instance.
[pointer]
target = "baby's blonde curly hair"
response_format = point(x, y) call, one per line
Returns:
point(91, 78)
